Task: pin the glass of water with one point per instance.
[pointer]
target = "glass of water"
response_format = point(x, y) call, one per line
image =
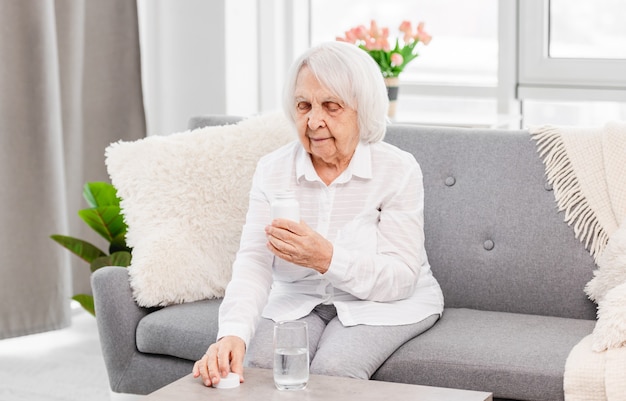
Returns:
point(291, 355)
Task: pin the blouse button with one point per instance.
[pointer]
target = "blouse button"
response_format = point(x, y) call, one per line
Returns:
point(450, 181)
point(488, 245)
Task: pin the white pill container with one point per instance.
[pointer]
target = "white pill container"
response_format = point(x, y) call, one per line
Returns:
point(284, 205)
point(230, 381)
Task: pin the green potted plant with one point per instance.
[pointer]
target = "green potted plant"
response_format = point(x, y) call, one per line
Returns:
point(104, 216)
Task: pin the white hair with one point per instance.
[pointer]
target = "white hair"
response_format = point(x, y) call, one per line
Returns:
point(352, 75)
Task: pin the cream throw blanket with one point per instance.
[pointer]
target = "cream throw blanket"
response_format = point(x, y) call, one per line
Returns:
point(587, 168)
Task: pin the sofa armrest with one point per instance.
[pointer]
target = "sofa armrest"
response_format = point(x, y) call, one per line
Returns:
point(117, 315)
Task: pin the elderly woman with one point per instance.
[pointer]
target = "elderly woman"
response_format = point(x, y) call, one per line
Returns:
point(354, 268)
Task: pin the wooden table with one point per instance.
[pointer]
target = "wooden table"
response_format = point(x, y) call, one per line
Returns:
point(259, 386)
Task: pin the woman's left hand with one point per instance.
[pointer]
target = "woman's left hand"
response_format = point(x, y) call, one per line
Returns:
point(299, 244)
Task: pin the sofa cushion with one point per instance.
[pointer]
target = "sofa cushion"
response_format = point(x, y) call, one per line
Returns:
point(494, 237)
point(511, 355)
point(184, 197)
point(184, 331)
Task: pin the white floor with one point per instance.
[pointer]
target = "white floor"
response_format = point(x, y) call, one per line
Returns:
point(59, 365)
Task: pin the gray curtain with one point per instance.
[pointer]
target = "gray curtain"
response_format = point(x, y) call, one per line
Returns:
point(70, 84)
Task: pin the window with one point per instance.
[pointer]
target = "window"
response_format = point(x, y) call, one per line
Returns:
point(572, 61)
point(464, 49)
point(575, 113)
point(587, 29)
point(501, 63)
point(456, 74)
point(539, 68)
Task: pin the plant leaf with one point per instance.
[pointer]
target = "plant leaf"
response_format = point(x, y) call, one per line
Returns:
point(86, 301)
point(119, 244)
point(83, 249)
point(100, 194)
point(105, 220)
point(122, 258)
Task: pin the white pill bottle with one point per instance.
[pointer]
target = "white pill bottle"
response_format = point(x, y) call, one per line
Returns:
point(285, 206)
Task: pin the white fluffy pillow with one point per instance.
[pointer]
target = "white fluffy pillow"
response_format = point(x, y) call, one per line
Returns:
point(184, 197)
point(610, 330)
point(608, 290)
point(611, 266)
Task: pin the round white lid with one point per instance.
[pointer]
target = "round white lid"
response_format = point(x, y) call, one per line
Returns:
point(230, 381)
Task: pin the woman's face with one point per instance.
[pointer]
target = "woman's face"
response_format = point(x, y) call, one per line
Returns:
point(327, 128)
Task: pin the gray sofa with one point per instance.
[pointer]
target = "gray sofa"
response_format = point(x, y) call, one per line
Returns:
point(511, 271)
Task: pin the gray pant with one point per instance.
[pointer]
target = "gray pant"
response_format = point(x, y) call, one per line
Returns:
point(335, 350)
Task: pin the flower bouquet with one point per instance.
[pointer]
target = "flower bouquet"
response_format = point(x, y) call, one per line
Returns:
point(375, 41)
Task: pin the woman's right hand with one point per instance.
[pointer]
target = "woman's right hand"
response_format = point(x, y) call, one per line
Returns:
point(222, 357)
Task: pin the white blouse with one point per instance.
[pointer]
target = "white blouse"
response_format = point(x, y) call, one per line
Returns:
point(373, 215)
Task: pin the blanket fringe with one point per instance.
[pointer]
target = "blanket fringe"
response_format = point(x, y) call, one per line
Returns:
point(569, 197)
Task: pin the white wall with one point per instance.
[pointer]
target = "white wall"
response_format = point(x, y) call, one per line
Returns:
point(241, 57)
point(198, 57)
point(283, 35)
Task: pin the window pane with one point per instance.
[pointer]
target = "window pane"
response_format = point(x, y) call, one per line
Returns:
point(447, 111)
point(464, 49)
point(538, 112)
point(587, 29)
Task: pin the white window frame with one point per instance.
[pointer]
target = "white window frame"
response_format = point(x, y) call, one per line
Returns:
point(524, 69)
point(508, 109)
point(542, 77)
point(508, 112)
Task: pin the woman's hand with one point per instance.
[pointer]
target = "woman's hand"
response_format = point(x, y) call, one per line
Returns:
point(222, 357)
point(299, 244)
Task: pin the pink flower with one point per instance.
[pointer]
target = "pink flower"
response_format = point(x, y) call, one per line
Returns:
point(370, 45)
point(361, 32)
point(374, 31)
point(422, 35)
point(375, 44)
point(355, 35)
point(384, 43)
point(396, 59)
point(407, 29)
point(351, 36)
